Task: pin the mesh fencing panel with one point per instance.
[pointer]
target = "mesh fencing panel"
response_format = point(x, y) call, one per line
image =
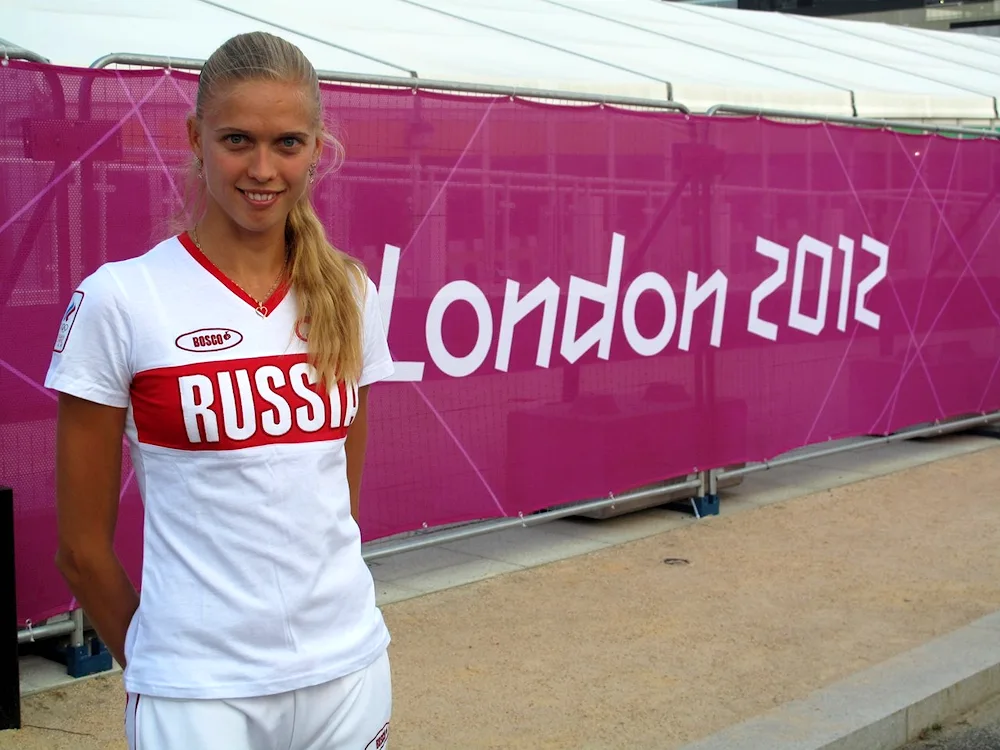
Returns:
point(735, 287)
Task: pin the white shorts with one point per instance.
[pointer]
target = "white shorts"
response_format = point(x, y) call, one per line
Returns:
point(350, 713)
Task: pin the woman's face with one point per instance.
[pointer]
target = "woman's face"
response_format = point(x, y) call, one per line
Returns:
point(257, 141)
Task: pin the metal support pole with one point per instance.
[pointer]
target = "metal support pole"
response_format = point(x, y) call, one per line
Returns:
point(702, 490)
point(379, 550)
point(841, 119)
point(77, 640)
point(417, 84)
point(939, 428)
point(13, 51)
point(707, 502)
point(10, 673)
point(52, 630)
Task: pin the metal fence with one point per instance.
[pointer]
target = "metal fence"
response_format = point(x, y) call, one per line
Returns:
point(703, 485)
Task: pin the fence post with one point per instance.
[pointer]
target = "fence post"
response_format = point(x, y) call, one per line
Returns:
point(707, 503)
point(10, 673)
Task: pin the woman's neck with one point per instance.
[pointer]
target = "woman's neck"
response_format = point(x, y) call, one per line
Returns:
point(251, 259)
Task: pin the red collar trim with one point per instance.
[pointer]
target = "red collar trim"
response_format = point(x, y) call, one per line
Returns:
point(271, 303)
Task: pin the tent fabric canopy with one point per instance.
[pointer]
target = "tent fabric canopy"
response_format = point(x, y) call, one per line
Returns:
point(698, 55)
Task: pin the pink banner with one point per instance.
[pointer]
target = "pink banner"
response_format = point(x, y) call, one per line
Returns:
point(581, 299)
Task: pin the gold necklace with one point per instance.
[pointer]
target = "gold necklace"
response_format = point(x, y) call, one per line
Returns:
point(261, 310)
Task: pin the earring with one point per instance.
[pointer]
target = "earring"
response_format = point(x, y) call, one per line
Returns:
point(312, 173)
point(198, 163)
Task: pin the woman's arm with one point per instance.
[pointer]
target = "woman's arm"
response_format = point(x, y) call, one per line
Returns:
point(355, 446)
point(88, 482)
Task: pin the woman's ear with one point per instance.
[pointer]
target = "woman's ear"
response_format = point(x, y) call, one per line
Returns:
point(194, 136)
point(317, 150)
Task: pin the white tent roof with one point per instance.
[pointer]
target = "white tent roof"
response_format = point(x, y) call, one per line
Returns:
point(697, 55)
point(888, 81)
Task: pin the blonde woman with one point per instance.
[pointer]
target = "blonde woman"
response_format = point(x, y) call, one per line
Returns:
point(236, 358)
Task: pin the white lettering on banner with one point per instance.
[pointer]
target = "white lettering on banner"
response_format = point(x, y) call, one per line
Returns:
point(694, 297)
point(574, 344)
point(768, 287)
point(861, 313)
point(448, 363)
point(847, 245)
point(573, 347)
point(516, 309)
point(811, 246)
point(796, 318)
point(649, 282)
point(404, 371)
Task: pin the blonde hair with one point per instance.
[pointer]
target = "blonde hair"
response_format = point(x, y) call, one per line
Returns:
point(329, 285)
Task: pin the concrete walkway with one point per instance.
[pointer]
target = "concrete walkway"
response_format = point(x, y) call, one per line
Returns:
point(433, 569)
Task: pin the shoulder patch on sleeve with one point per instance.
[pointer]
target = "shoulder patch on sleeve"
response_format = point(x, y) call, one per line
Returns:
point(68, 318)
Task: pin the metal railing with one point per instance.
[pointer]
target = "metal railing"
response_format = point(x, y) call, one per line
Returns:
point(732, 109)
point(378, 550)
point(13, 51)
point(74, 626)
point(707, 481)
point(811, 454)
point(414, 83)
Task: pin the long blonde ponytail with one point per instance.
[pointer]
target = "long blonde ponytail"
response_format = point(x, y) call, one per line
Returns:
point(329, 285)
point(329, 288)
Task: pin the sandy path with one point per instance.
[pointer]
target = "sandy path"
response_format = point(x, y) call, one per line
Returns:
point(617, 649)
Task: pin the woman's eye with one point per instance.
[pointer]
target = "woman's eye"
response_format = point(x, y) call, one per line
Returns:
point(290, 142)
point(235, 139)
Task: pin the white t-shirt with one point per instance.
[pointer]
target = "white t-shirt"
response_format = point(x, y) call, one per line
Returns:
point(253, 581)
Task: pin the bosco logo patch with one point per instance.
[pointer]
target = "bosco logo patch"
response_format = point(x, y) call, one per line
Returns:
point(209, 340)
point(67, 321)
point(380, 740)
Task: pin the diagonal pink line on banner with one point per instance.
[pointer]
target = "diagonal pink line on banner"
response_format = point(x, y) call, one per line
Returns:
point(30, 381)
point(854, 330)
point(894, 397)
point(152, 141)
point(444, 185)
point(182, 92)
point(911, 328)
point(954, 289)
point(416, 233)
point(919, 353)
point(958, 245)
point(937, 239)
point(968, 268)
point(62, 175)
point(440, 418)
point(911, 325)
